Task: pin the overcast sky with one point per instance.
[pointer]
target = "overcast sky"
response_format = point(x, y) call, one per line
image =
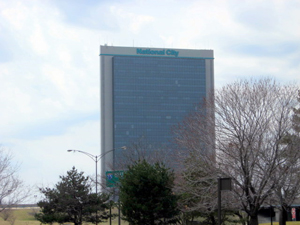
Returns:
point(49, 63)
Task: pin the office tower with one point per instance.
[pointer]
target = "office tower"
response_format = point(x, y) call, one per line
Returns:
point(146, 91)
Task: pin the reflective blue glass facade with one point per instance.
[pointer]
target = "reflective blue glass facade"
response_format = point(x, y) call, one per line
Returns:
point(151, 94)
point(145, 92)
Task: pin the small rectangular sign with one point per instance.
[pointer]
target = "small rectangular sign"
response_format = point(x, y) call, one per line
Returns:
point(225, 184)
point(294, 213)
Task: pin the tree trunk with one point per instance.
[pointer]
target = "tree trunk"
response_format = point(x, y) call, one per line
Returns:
point(253, 220)
point(212, 219)
point(283, 216)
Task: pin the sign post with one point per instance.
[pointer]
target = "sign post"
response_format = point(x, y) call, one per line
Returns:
point(224, 184)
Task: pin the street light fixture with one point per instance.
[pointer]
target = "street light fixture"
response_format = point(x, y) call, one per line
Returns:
point(96, 159)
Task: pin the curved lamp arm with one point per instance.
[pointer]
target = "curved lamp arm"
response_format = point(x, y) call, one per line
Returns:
point(100, 156)
point(96, 158)
point(93, 157)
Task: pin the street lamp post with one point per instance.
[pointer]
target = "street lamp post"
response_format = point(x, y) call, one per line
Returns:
point(96, 159)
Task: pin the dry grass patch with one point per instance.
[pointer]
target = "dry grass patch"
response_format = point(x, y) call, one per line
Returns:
point(26, 217)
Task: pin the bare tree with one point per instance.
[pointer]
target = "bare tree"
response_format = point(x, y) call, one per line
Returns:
point(252, 118)
point(12, 188)
point(197, 182)
point(287, 189)
point(6, 214)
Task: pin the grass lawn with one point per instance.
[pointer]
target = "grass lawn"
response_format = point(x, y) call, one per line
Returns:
point(25, 217)
point(288, 223)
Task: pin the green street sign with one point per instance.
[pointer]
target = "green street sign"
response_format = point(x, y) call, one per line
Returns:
point(113, 177)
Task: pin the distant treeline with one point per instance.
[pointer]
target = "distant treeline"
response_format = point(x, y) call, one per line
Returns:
point(24, 206)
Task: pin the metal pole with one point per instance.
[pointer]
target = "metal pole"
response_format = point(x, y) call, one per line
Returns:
point(219, 201)
point(271, 214)
point(119, 213)
point(109, 213)
point(96, 161)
